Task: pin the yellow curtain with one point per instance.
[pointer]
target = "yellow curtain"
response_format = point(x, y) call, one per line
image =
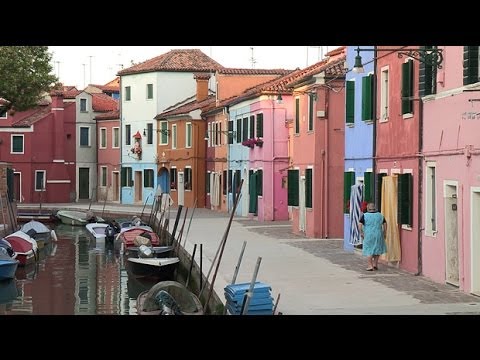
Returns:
point(389, 210)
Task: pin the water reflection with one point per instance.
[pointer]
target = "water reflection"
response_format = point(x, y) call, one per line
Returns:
point(74, 275)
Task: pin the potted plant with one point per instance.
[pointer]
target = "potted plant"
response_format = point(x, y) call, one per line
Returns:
point(249, 142)
point(259, 142)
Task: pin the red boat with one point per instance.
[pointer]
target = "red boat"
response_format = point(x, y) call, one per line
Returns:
point(24, 246)
point(130, 237)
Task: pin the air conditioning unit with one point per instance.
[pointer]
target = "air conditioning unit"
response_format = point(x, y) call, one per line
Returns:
point(321, 113)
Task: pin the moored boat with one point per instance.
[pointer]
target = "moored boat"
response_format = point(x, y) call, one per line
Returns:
point(37, 231)
point(77, 217)
point(25, 247)
point(8, 265)
point(154, 268)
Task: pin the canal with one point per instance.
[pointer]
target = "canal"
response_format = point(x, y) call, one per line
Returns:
point(74, 276)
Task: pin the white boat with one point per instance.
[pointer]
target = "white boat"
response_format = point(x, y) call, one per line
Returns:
point(76, 217)
point(97, 230)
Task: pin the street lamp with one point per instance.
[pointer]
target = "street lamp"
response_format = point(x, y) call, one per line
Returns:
point(426, 55)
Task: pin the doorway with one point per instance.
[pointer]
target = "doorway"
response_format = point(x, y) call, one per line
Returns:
point(17, 181)
point(451, 234)
point(115, 186)
point(181, 189)
point(302, 211)
point(475, 239)
point(138, 186)
point(83, 183)
point(163, 180)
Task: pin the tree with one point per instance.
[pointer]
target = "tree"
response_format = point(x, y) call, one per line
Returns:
point(25, 75)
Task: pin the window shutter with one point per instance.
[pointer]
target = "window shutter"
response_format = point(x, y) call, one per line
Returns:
point(245, 129)
point(470, 64)
point(292, 187)
point(145, 178)
point(230, 181)
point(367, 82)
point(238, 178)
point(239, 130)
point(259, 125)
point(252, 126)
point(260, 182)
point(407, 83)
point(427, 75)
point(378, 189)
point(350, 102)
point(405, 199)
point(123, 177)
point(207, 182)
point(131, 176)
point(308, 188)
point(368, 186)
point(348, 181)
point(310, 111)
point(10, 185)
point(252, 189)
point(224, 182)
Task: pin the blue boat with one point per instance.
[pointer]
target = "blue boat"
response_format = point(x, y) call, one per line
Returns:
point(8, 265)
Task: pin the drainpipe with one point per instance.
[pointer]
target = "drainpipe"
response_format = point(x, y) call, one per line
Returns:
point(420, 184)
point(374, 136)
point(327, 155)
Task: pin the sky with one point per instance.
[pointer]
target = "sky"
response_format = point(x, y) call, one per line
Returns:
point(83, 65)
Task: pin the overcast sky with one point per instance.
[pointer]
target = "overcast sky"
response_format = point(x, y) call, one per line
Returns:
point(83, 65)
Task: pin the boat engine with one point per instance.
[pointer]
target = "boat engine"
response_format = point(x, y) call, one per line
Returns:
point(145, 251)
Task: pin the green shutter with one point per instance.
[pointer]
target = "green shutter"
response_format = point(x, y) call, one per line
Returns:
point(239, 130)
point(164, 126)
point(123, 177)
point(310, 111)
point(308, 188)
point(378, 189)
point(252, 189)
point(427, 74)
point(252, 126)
point(145, 178)
point(10, 185)
point(131, 176)
point(405, 199)
point(368, 187)
point(260, 182)
point(350, 102)
point(259, 125)
point(348, 181)
point(367, 98)
point(407, 84)
point(292, 187)
point(297, 115)
point(470, 64)
point(207, 183)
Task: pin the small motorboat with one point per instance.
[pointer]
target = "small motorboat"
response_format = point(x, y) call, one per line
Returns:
point(168, 298)
point(8, 265)
point(77, 217)
point(155, 268)
point(38, 231)
point(26, 248)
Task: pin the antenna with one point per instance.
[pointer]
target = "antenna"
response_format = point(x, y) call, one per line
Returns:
point(84, 75)
point(252, 59)
point(90, 69)
point(58, 69)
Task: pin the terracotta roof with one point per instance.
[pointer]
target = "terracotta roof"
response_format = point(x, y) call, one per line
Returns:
point(71, 94)
point(111, 115)
point(39, 114)
point(237, 71)
point(284, 84)
point(336, 51)
point(185, 109)
point(113, 83)
point(191, 60)
point(103, 103)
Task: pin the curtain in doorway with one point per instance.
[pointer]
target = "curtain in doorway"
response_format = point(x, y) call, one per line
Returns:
point(389, 211)
point(356, 198)
point(215, 189)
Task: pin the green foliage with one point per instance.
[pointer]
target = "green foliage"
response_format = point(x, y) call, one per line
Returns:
point(25, 75)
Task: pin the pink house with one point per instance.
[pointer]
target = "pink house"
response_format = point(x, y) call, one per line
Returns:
point(40, 145)
point(316, 133)
point(451, 148)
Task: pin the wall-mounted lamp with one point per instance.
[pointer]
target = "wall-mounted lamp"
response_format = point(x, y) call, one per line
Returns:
point(428, 56)
point(163, 131)
point(226, 132)
point(279, 99)
point(313, 96)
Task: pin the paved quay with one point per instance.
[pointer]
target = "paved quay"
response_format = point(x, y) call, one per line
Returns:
point(312, 276)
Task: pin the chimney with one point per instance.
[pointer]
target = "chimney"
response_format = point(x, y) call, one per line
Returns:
point(202, 85)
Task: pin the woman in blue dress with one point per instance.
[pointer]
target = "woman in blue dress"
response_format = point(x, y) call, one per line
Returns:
point(373, 228)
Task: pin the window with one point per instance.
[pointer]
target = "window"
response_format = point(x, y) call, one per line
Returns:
point(308, 188)
point(149, 133)
point(427, 79)
point(407, 87)
point(405, 199)
point(188, 178)
point(350, 102)
point(148, 178)
point(252, 126)
point(3, 113)
point(173, 179)
point(431, 201)
point(310, 110)
point(84, 136)
point(17, 144)
point(230, 132)
point(103, 176)
point(103, 138)
point(293, 177)
point(384, 109)
point(128, 93)
point(245, 129)
point(348, 181)
point(174, 136)
point(116, 137)
point(188, 140)
point(470, 64)
point(40, 176)
point(127, 178)
point(149, 91)
point(224, 183)
point(367, 98)
point(128, 135)
point(83, 105)
point(259, 125)
point(239, 130)
point(297, 115)
point(163, 133)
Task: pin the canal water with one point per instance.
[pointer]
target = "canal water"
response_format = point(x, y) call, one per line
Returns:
point(74, 276)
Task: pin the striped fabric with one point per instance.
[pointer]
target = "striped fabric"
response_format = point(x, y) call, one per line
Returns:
point(356, 198)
